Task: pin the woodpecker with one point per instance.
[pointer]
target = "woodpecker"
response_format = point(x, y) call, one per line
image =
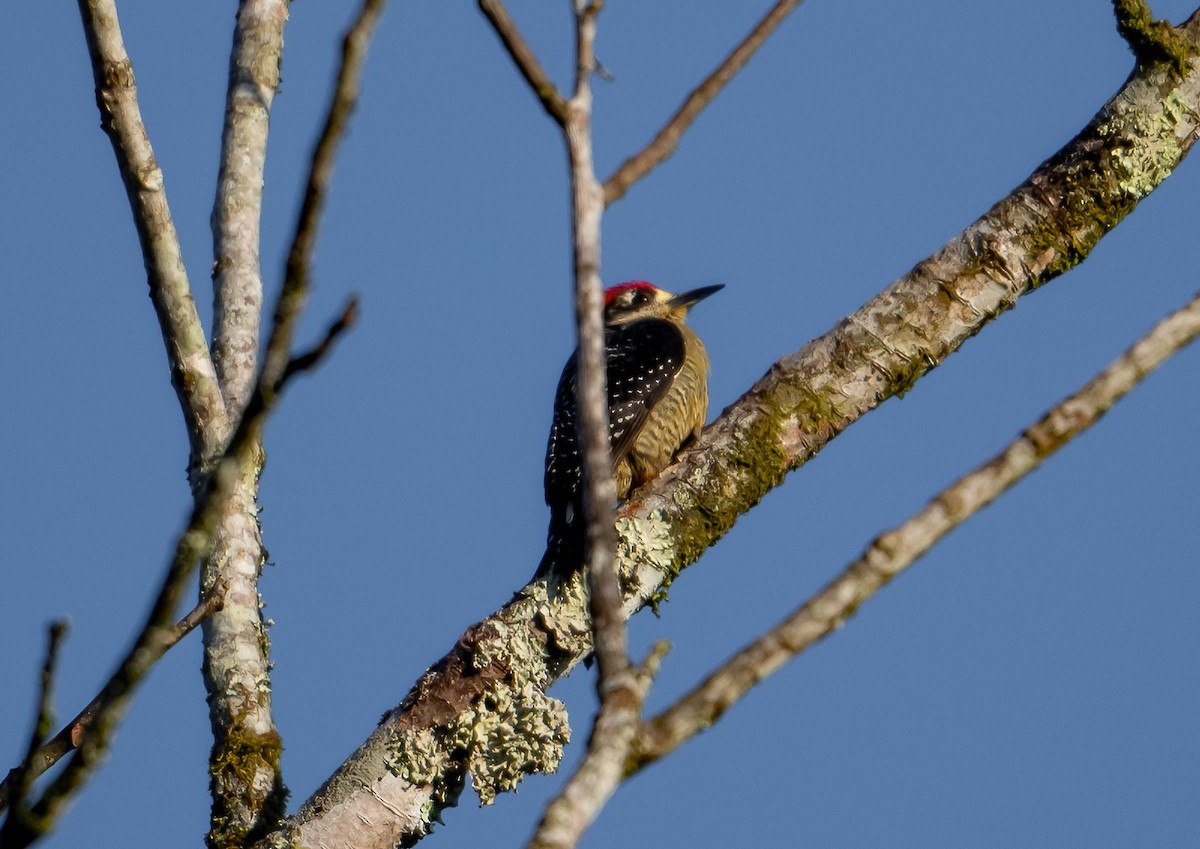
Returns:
point(657, 377)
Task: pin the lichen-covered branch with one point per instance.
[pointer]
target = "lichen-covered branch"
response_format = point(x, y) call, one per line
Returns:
point(1152, 40)
point(483, 708)
point(667, 139)
point(894, 551)
point(1041, 229)
point(245, 780)
point(192, 372)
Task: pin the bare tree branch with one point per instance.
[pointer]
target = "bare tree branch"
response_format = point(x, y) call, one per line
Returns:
point(231, 474)
point(894, 551)
point(468, 712)
point(237, 210)
point(247, 802)
point(208, 418)
point(244, 763)
point(600, 491)
point(620, 687)
point(69, 737)
point(192, 372)
point(525, 59)
point(664, 144)
point(18, 829)
point(237, 699)
point(192, 546)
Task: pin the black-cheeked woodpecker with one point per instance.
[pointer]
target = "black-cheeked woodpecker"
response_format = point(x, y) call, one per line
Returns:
point(657, 376)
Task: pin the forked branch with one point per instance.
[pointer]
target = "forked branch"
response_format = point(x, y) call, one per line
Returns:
point(157, 633)
point(71, 735)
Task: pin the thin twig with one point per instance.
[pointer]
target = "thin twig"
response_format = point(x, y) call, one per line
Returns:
point(893, 551)
point(306, 361)
point(620, 686)
point(192, 372)
point(71, 734)
point(192, 546)
point(664, 144)
point(345, 95)
point(525, 59)
point(18, 830)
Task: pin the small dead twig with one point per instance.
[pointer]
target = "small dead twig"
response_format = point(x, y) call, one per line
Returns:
point(525, 60)
point(19, 828)
point(69, 737)
point(667, 139)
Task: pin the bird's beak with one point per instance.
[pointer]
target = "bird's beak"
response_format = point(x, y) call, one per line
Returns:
point(687, 299)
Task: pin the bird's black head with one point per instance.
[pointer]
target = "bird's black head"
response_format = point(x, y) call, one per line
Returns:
point(639, 299)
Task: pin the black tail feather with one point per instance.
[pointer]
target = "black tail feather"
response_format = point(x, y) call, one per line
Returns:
point(564, 545)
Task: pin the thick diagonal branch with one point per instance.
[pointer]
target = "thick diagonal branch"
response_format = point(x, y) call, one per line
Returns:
point(894, 551)
point(415, 760)
point(1041, 229)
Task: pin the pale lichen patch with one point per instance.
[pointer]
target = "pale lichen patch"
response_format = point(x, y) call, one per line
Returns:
point(513, 733)
point(509, 734)
point(419, 756)
point(566, 622)
point(646, 540)
point(1144, 159)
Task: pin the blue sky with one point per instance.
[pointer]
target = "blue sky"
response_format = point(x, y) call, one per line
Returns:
point(1031, 682)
